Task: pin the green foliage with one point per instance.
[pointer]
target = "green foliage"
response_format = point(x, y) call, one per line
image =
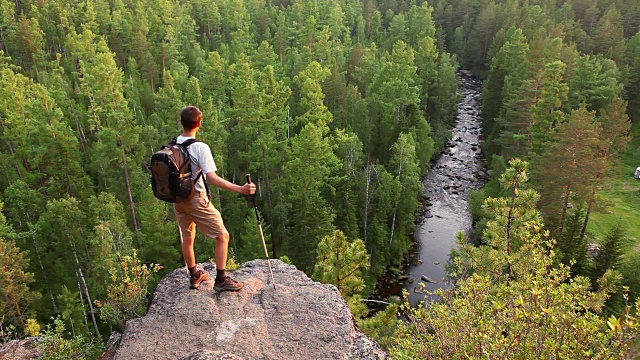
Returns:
point(337, 107)
point(341, 263)
point(32, 328)
point(511, 290)
point(127, 292)
point(632, 78)
point(572, 245)
point(16, 297)
point(307, 175)
point(609, 253)
point(251, 246)
point(72, 313)
point(382, 326)
point(15, 294)
point(595, 82)
point(55, 346)
point(483, 319)
point(563, 174)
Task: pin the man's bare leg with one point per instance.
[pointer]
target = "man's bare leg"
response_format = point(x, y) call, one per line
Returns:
point(223, 282)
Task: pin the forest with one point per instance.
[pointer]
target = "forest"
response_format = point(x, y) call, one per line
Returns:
point(337, 109)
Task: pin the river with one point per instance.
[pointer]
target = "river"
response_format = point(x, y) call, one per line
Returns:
point(459, 169)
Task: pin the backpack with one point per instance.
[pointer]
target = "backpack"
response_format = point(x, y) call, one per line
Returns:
point(171, 173)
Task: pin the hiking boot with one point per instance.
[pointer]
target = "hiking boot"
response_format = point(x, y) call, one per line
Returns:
point(227, 284)
point(197, 278)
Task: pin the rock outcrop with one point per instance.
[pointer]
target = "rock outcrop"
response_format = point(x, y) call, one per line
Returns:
point(20, 349)
point(300, 319)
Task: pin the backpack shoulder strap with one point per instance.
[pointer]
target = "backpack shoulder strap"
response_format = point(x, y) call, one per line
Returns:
point(188, 142)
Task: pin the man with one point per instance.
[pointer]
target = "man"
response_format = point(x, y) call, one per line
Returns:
point(200, 212)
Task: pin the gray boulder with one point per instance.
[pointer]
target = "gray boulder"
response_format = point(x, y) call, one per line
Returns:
point(301, 319)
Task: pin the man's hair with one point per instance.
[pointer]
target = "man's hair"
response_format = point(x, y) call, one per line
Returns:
point(189, 117)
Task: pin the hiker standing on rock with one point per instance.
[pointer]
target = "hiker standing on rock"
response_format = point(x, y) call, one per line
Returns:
point(199, 211)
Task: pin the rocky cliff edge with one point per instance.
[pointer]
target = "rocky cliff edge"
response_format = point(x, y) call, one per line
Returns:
point(300, 319)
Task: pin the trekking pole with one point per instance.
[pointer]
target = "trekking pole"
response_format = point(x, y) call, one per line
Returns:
point(264, 243)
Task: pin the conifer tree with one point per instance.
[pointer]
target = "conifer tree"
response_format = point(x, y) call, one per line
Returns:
point(23, 207)
point(609, 253)
point(73, 313)
point(62, 233)
point(608, 258)
point(508, 70)
point(308, 173)
point(392, 91)
point(32, 117)
point(608, 36)
point(547, 113)
point(594, 82)
point(349, 151)
point(341, 262)
point(506, 232)
point(572, 246)
point(567, 161)
point(613, 140)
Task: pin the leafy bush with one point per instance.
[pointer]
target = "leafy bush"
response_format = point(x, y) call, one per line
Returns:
point(56, 347)
point(127, 293)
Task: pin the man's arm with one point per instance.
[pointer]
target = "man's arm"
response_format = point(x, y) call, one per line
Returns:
point(215, 180)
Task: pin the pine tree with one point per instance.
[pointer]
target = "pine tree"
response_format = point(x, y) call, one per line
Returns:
point(594, 82)
point(547, 113)
point(609, 253)
point(62, 234)
point(608, 258)
point(508, 70)
point(341, 262)
point(608, 36)
point(308, 173)
point(613, 140)
point(567, 161)
point(73, 312)
point(392, 91)
point(32, 117)
point(572, 246)
point(349, 151)
point(507, 230)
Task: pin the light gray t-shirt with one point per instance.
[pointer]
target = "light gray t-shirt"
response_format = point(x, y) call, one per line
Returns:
point(201, 159)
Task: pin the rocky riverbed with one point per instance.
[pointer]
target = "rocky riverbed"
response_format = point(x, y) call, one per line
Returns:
point(459, 169)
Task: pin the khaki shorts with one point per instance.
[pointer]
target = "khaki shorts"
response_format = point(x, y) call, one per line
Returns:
point(200, 212)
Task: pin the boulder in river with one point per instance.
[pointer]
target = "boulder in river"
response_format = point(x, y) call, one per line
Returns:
point(428, 279)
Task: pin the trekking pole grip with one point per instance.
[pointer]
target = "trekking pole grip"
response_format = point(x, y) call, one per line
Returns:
point(253, 197)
